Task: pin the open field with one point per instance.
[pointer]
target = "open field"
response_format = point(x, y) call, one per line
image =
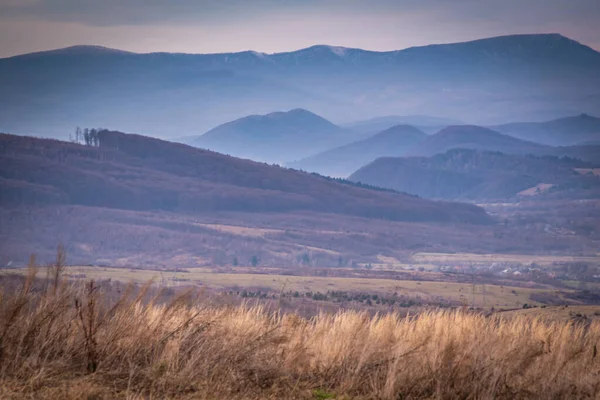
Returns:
point(77, 341)
point(558, 313)
point(458, 293)
point(102, 236)
point(470, 258)
point(242, 230)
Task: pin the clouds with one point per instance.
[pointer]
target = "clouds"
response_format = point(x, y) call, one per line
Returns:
point(136, 12)
point(278, 25)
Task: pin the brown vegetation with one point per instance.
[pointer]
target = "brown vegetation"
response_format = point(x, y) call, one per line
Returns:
point(134, 172)
point(104, 236)
point(60, 340)
point(473, 175)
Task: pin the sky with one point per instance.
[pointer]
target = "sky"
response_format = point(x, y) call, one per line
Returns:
point(215, 26)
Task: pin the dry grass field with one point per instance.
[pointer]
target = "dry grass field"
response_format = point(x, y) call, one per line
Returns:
point(558, 313)
point(485, 296)
point(74, 341)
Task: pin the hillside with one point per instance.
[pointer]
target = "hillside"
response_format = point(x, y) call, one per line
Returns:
point(559, 132)
point(344, 160)
point(171, 95)
point(134, 172)
point(275, 138)
point(475, 138)
point(479, 176)
point(588, 152)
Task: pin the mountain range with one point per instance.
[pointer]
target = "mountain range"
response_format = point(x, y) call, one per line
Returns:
point(526, 77)
point(303, 140)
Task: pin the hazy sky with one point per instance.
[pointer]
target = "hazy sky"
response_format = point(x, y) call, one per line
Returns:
point(207, 26)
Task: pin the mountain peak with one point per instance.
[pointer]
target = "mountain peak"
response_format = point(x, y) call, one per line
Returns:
point(294, 114)
point(79, 50)
point(473, 137)
point(466, 129)
point(87, 49)
point(400, 130)
point(528, 46)
point(325, 48)
point(300, 111)
point(275, 137)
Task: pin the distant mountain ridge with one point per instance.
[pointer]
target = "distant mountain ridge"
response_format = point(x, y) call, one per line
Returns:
point(558, 132)
point(474, 138)
point(542, 44)
point(378, 124)
point(167, 95)
point(276, 137)
point(342, 161)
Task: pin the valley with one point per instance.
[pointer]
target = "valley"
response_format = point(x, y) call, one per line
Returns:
point(323, 222)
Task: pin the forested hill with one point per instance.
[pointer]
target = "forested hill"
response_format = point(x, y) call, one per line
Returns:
point(134, 172)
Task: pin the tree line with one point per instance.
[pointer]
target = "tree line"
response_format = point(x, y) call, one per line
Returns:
point(86, 136)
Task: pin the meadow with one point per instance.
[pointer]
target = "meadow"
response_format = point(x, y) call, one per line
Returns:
point(480, 295)
point(74, 340)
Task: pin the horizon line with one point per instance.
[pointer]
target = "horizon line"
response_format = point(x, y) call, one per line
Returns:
point(113, 49)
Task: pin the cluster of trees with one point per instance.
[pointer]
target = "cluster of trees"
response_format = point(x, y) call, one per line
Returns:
point(258, 294)
point(361, 184)
point(366, 298)
point(86, 136)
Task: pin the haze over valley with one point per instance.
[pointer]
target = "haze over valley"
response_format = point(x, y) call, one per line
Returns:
point(489, 81)
point(418, 220)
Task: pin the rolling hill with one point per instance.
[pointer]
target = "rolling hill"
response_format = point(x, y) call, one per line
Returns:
point(276, 137)
point(479, 176)
point(526, 77)
point(475, 138)
point(378, 124)
point(132, 172)
point(559, 132)
point(344, 160)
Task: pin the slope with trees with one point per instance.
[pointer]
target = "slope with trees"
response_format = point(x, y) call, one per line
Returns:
point(479, 175)
point(134, 172)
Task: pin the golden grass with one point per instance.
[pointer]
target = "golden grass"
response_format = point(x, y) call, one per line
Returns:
point(73, 342)
point(485, 295)
point(559, 313)
point(242, 230)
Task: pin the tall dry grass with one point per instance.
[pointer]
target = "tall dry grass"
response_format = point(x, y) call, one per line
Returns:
point(61, 340)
